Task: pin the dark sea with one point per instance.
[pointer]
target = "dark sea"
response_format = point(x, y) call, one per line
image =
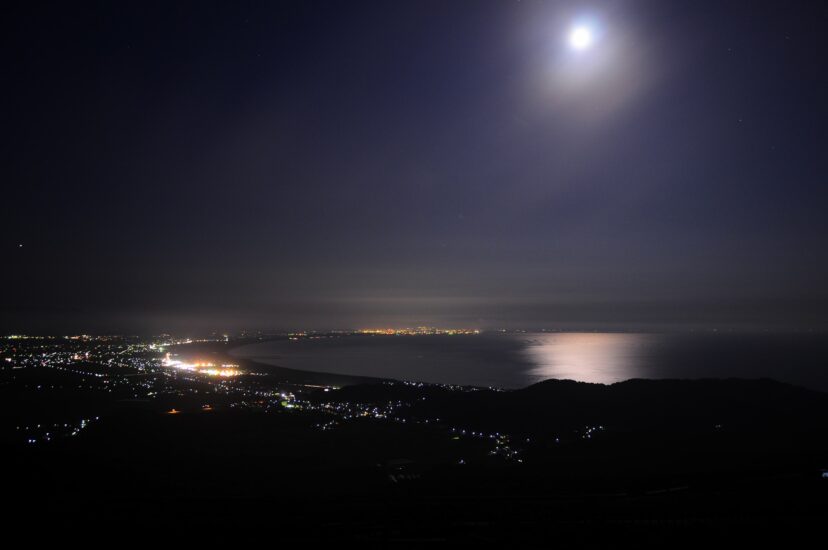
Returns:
point(519, 360)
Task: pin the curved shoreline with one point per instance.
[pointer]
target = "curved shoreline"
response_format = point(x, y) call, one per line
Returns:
point(302, 376)
point(280, 373)
point(447, 360)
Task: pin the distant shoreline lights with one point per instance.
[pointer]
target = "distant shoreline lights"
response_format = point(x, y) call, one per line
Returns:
point(417, 331)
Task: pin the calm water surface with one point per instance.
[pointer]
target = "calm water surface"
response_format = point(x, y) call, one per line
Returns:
point(518, 360)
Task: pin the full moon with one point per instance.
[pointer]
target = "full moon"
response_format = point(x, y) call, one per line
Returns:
point(580, 38)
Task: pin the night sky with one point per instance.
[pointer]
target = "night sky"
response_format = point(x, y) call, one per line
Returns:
point(197, 166)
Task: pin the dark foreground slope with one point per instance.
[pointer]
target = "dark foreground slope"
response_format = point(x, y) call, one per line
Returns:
point(640, 461)
point(743, 405)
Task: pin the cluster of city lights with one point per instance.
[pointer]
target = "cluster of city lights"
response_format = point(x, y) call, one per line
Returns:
point(210, 369)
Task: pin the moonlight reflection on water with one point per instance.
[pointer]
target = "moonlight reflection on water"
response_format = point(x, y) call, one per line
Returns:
point(588, 357)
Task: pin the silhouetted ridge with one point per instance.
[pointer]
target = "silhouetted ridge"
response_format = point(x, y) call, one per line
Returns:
point(553, 406)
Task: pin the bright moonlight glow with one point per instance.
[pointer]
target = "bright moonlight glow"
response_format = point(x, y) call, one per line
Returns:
point(580, 38)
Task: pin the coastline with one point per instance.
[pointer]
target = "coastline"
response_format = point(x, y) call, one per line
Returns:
point(223, 351)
